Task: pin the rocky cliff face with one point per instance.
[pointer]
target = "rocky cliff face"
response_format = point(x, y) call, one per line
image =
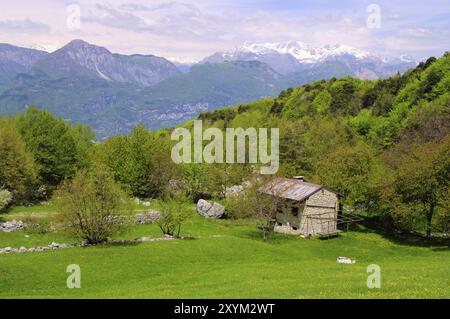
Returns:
point(83, 59)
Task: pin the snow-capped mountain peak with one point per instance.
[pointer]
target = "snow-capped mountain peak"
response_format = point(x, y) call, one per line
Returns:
point(302, 52)
point(296, 56)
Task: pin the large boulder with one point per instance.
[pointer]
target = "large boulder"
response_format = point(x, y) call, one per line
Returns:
point(208, 210)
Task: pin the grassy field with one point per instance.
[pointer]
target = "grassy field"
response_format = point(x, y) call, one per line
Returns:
point(227, 259)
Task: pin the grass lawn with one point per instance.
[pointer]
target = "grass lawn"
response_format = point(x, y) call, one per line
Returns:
point(228, 259)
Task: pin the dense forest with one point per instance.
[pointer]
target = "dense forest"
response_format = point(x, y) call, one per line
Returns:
point(383, 144)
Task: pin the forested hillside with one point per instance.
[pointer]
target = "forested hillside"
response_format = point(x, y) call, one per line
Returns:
point(383, 144)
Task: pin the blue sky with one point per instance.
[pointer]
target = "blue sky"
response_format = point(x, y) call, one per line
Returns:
point(191, 30)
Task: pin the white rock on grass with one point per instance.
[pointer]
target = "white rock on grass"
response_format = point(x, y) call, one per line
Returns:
point(148, 218)
point(54, 245)
point(234, 190)
point(345, 260)
point(11, 226)
point(208, 210)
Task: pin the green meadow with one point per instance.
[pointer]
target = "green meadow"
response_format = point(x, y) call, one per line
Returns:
point(225, 259)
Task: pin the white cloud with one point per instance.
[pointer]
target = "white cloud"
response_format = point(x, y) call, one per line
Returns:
point(23, 26)
point(194, 29)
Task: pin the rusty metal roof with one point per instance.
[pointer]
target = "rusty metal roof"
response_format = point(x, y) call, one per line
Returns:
point(290, 188)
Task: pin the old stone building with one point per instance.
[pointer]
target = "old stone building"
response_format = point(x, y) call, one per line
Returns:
point(303, 208)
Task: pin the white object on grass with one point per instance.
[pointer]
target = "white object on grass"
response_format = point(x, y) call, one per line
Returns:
point(345, 260)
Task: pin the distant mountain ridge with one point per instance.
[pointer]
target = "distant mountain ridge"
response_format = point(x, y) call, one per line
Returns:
point(302, 52)
point(112, 92)
point(81, 58)
point(15, 60)
point(291, 57)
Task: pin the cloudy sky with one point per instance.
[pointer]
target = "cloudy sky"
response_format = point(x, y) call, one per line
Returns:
point(188, 30)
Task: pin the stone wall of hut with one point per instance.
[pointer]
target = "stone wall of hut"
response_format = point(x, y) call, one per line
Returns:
point(317, 215)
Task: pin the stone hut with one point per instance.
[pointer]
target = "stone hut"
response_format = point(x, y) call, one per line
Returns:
point(304, 208)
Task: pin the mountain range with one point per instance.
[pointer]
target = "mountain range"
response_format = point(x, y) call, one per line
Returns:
point(292, 57)
point(112, 92)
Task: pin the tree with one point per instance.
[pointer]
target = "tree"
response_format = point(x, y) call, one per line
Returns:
point(322, 102)
point(173, 214)
point(253, 203)
point(267, 207)
point(140, 151)
point(348, 170)
point(161, 168)
point(277, 107)
point(325, 136)
point(344, 96)
point(432, 78)
point(132, 158)
point(193, 176)
point(90, 204)
point(17, 169)
point(421, 184)
point(51, 143)
point(84, 140)
point(113, 153)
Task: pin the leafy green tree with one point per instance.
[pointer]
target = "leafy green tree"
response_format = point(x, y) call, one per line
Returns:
point(343, 97)
point(348, 169)
point(322, 102)
point(161, 168)
point(17, 168)
point(84, 140)
point(323, 137)
point(140, 152)
point(52, 144)
point(114, 154)
point(277, 107)
point(421, 185)
point(294, 152)
point(130, 158)
point(193, 175)
point(431, 79)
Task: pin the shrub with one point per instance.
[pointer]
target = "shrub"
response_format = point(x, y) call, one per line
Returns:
point(173, 214)
point(244, 204)
point(251, 203)
point(5, 198)
point(90, 204)
point(40, 227)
